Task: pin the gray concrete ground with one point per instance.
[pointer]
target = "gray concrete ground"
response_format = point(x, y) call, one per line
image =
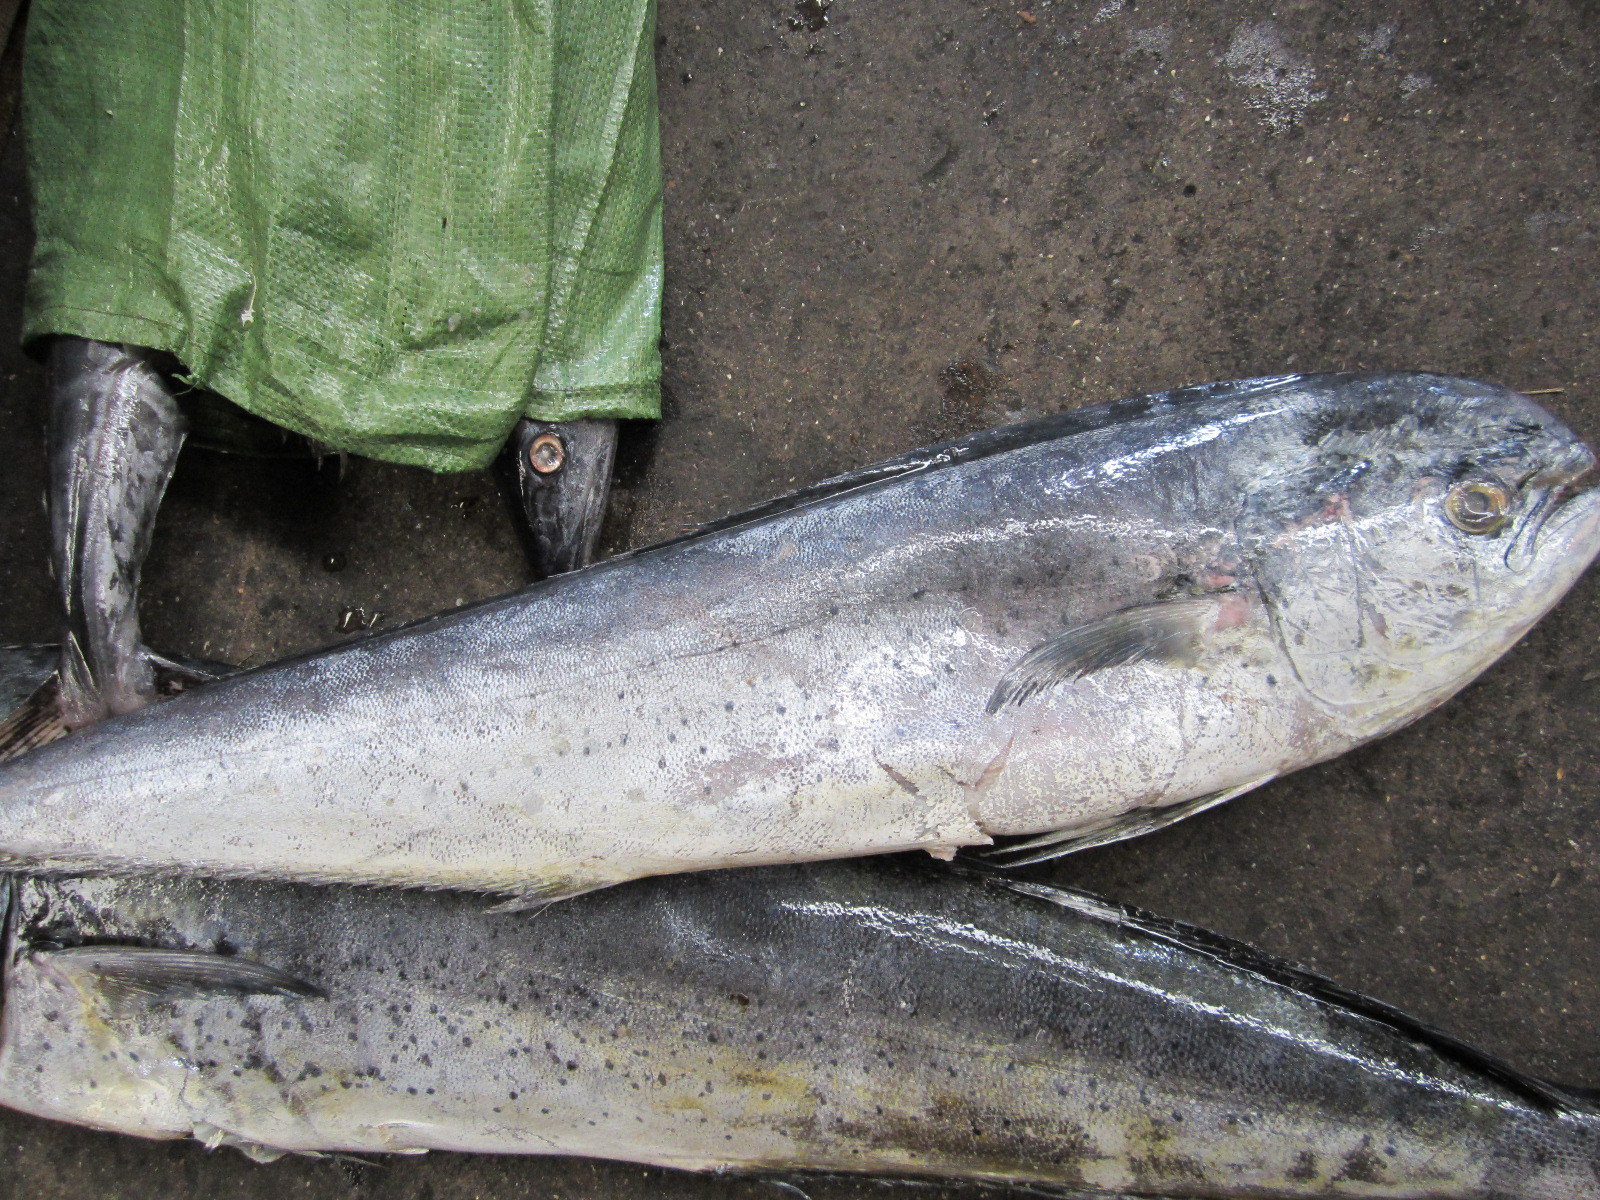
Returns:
point(888, 223)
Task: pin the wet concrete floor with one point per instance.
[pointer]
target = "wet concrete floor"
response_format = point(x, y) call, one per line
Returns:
point(891, 223)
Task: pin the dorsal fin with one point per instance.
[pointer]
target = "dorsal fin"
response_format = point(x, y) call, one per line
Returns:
point(989, 442)
point(938, 456)
point(1243, 957)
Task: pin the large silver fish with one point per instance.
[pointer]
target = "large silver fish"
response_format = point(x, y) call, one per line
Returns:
point(1080, 628)
point(842, 1017)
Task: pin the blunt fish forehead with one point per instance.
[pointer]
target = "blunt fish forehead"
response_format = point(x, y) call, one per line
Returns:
point(1455, 426)
point(1384, 442)
point(1384, 604)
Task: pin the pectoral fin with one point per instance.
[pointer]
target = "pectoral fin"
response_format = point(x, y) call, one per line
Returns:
point(1058, 843)
point(1171, 632)
point(175, 974)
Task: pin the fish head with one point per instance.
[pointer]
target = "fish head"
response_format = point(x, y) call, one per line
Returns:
point(1426, 528)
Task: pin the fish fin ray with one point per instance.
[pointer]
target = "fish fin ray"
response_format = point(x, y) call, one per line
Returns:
point(33, 723)
point(23, 668)
point(1134, 823)
point(178, 672)
point(1169, 632)
point(36, 720)
point(541, 896)
point(178, 973)
point(211, 1136)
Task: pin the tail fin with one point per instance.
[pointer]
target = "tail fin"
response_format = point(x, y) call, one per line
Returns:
point(29, 713)
point(30, 710)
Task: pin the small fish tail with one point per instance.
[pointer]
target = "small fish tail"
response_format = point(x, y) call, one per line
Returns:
point(30, 710)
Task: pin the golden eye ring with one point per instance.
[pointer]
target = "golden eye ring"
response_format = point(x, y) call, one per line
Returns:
point(1478, 506)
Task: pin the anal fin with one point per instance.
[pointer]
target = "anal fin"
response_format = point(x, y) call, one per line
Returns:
point(1135, 822)
point(542, 895)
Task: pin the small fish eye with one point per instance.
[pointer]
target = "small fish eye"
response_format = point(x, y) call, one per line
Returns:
point(1477, 506)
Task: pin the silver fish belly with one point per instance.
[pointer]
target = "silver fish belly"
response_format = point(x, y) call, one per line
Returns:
point(830, 1017)
point(1081, 628)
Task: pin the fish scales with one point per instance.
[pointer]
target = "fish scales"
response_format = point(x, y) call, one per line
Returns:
point(847, 1016)
point(1042, 629)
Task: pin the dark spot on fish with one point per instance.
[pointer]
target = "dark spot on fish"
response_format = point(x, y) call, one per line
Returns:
point(905, 784)
point(1181, 584)
point(740, 999)
point(1304, 1169)
point(1361, 1166)
point(1189, 189)
point(1162, 1168)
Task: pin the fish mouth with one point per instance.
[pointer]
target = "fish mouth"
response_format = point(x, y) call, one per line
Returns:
point(1560, 509)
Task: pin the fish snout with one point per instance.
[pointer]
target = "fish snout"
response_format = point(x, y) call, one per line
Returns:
point(1558, 506)
point(1562, 532)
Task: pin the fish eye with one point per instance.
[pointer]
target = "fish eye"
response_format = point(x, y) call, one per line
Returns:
point(1477, 506)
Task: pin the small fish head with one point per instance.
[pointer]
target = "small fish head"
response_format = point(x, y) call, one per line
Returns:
point(1429, 528)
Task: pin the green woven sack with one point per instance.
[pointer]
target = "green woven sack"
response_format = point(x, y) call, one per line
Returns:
point(395, 226)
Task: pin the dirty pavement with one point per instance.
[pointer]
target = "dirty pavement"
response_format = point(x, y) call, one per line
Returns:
point(892, 223)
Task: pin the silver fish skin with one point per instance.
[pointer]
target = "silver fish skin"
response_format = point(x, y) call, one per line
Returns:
point(850, 1016)
point(1083, 628)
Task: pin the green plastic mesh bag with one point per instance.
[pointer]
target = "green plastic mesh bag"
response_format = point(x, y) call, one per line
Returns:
point(395, 226)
